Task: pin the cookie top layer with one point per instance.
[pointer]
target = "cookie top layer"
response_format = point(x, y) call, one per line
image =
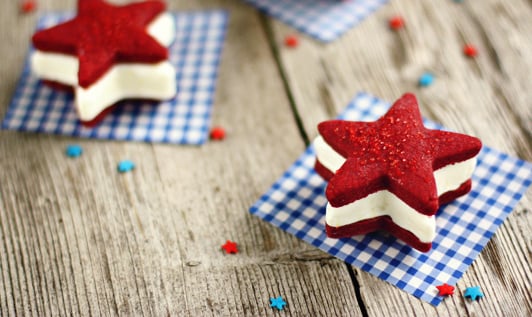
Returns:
point(395, 153)
point(102, 35)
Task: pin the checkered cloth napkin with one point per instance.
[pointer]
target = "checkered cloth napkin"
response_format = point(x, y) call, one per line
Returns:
point(185, 119)
point(324, 20)
point(296, 204)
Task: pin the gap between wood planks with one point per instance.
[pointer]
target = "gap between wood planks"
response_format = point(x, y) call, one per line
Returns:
point(297, 118)
point(275, 52)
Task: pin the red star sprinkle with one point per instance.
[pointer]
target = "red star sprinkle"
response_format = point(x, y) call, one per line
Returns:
point(445, 289)
point(470, 50)
point(396, 153)
point(396, 23)
point(291, 41)
point(217, 133)
point(230, 247)
point(28, 6)
point(102, 35)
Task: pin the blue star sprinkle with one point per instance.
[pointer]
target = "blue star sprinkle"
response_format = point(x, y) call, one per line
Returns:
point(74, 150)
point(278, 303)
point(426, 80)
point(125, 166)
point(473, 292)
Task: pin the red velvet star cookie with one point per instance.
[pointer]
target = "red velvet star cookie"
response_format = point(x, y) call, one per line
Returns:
point(392, 174)
point(109, 53)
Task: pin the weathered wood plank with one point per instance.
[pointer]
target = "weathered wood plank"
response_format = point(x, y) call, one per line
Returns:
point(79, 239)
point(486, 97)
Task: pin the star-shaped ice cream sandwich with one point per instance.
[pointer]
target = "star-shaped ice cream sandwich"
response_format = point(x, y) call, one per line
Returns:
point(392, 174)
point(108, 53)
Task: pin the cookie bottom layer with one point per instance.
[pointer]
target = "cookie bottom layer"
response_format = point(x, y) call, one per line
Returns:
point(323, 171)
point(92, 123)
point(386, 223)
point(383, 223)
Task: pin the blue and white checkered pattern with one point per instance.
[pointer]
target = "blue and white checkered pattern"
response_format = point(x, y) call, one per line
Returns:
point(324, 20)
point(185, 119)
point(296, 203)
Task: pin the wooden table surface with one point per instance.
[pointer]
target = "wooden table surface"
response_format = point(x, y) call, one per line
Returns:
point(76, 239)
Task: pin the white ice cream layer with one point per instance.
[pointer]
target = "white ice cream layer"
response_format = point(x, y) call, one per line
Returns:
point(385, 203)
point(122, 81)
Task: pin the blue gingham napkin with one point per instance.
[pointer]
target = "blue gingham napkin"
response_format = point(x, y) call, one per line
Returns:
point(296, 204)
point(185, 119)
point(325, 20)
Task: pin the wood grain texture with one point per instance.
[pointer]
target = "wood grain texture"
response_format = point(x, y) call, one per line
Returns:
point(484, 96)
point(79, 239)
